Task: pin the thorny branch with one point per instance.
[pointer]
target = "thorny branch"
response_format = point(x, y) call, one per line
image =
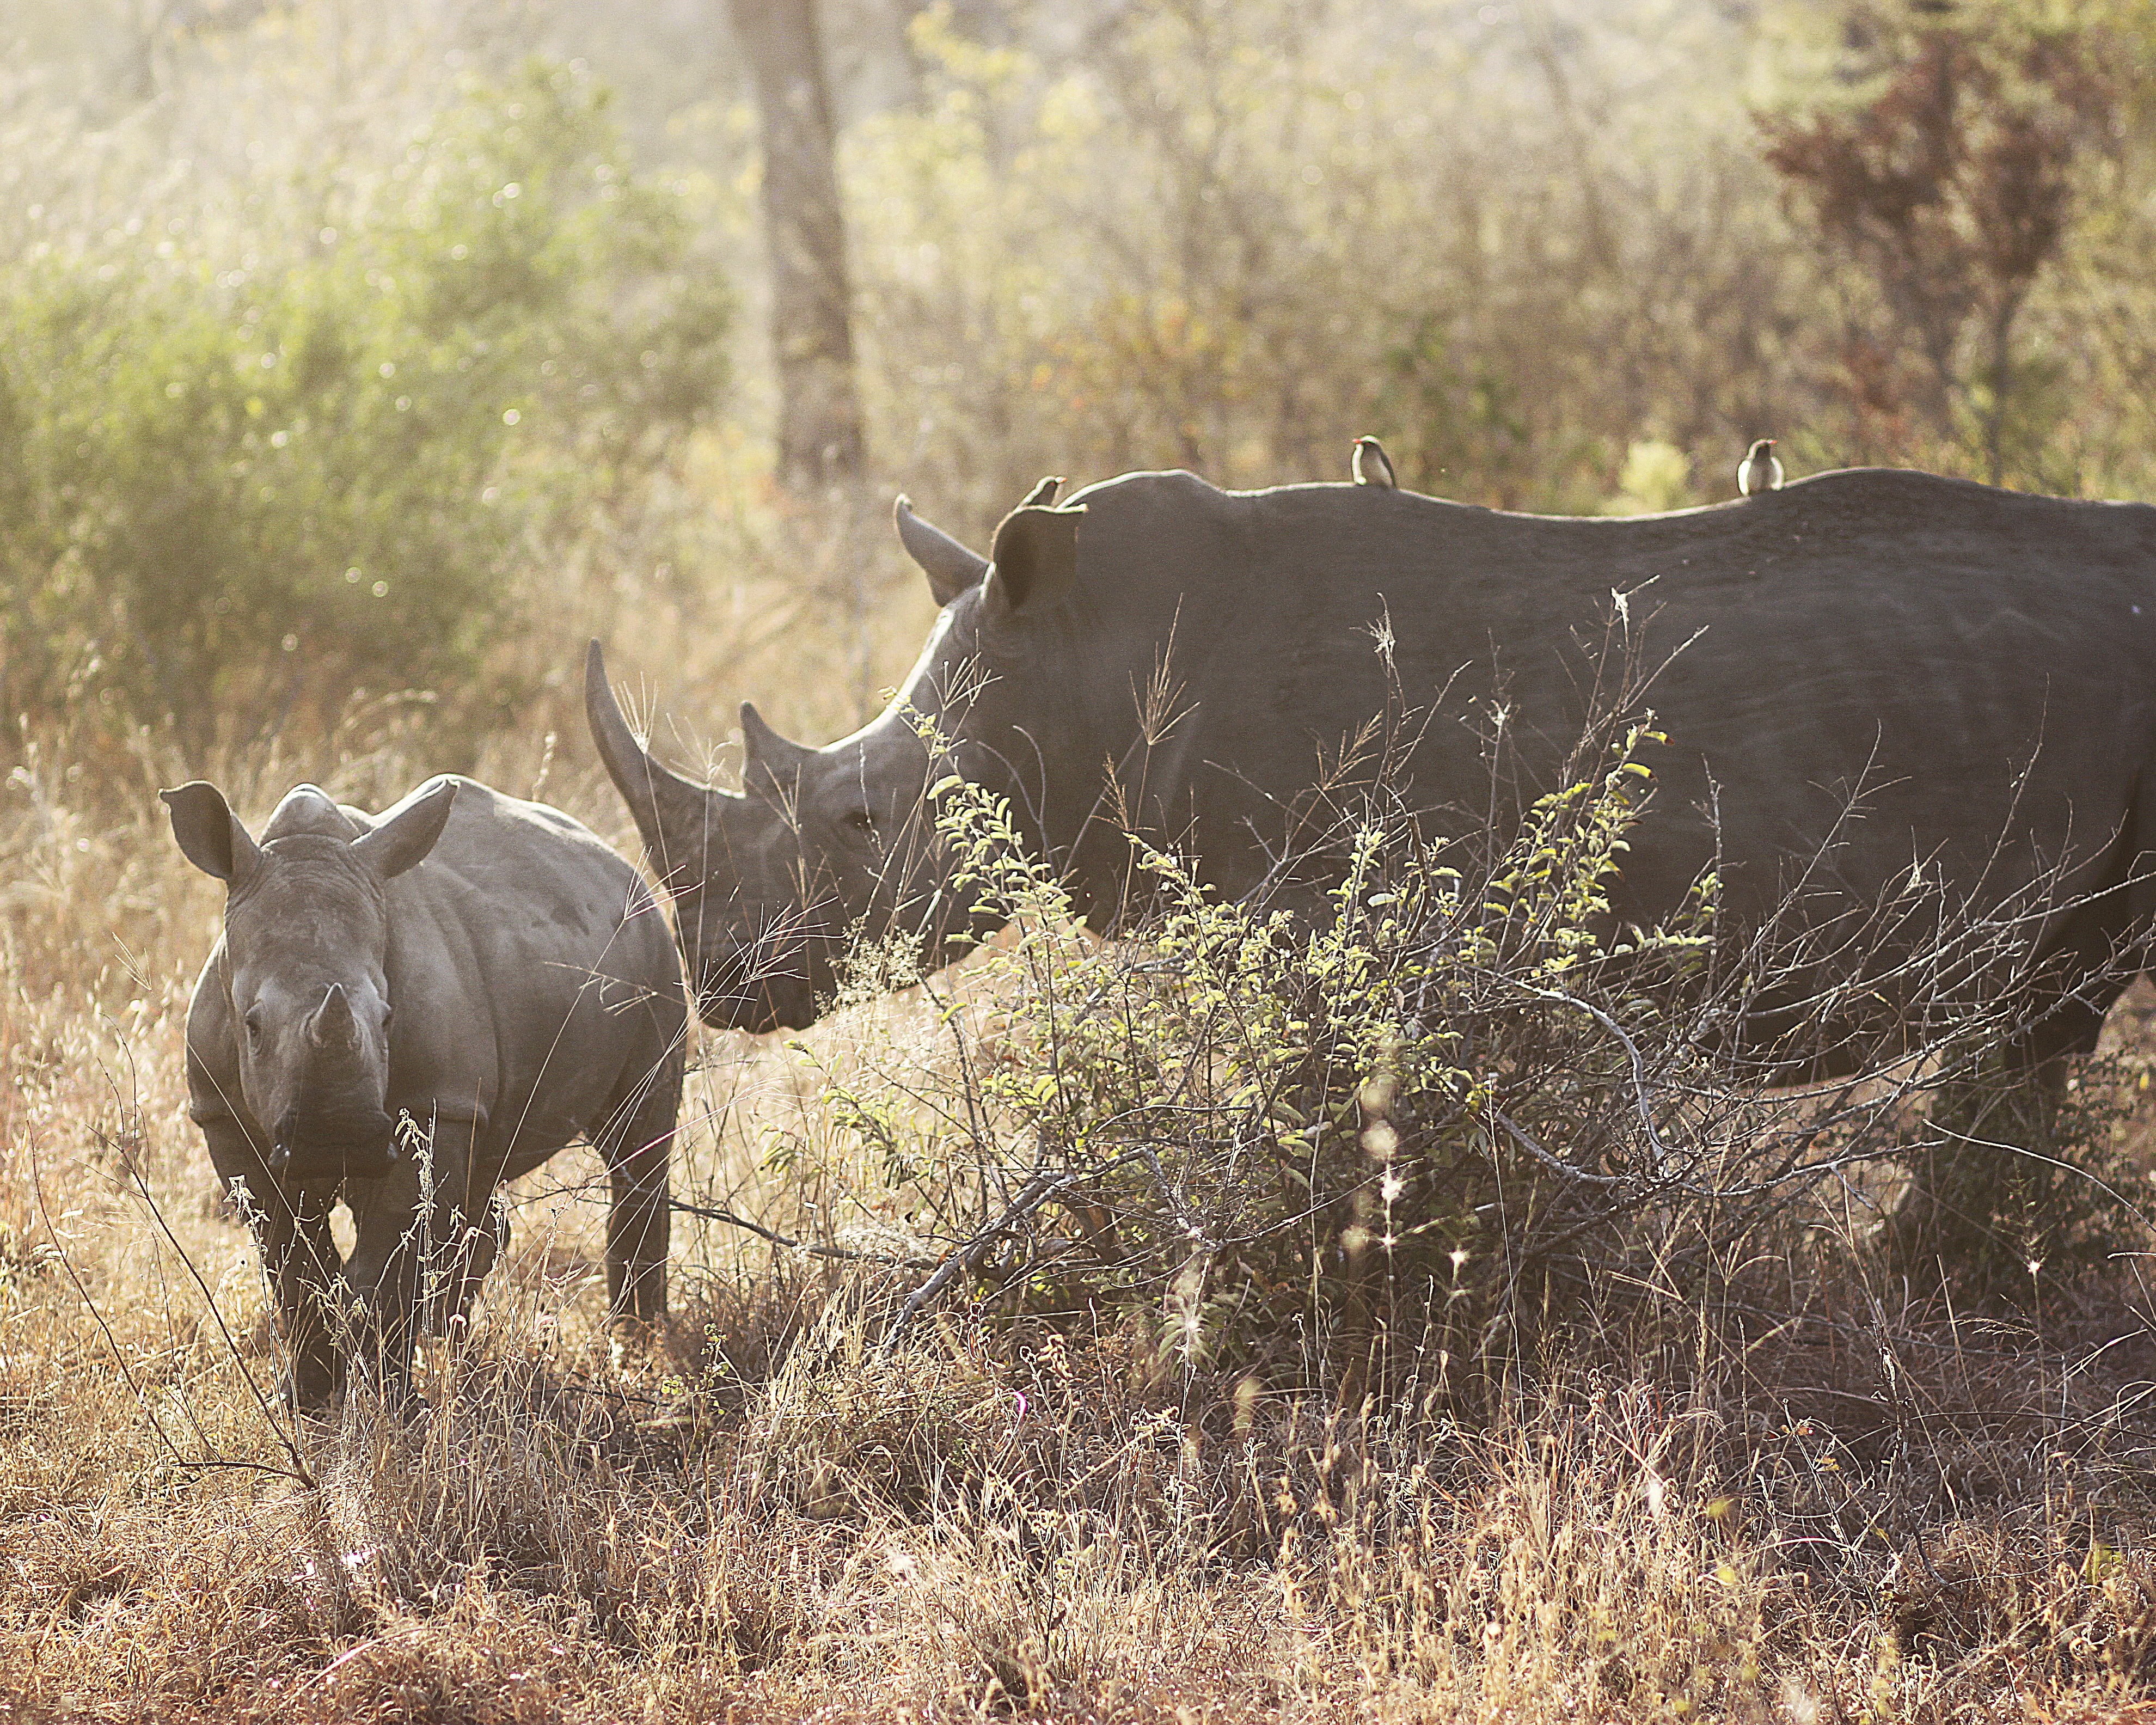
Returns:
point(1045, 1185)
point(708, 1213)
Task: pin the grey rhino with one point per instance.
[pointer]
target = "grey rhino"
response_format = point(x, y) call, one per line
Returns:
point(1868, 678)
point(484, 968)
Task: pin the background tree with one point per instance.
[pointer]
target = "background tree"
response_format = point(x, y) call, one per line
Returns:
point(820, 416)
point(1227, 235)
point(247, 481)
point(1950, 182)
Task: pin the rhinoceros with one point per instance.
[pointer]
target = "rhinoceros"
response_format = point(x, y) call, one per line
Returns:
point(1868, 678)
point(410, 1009)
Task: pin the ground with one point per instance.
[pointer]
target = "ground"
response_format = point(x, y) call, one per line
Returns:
point(1827, 1495)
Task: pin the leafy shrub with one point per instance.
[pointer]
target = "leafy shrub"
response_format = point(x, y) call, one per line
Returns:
point(1234, 238)
point(230, 491)
point(1279, 1126)
point(1460, 1108)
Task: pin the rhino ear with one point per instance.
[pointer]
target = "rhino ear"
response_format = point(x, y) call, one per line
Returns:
point(210, 833)
point(406, 833)
point(1034, 560)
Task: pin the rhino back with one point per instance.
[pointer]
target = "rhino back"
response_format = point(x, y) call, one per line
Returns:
point(1928, 637)
point(531, 973)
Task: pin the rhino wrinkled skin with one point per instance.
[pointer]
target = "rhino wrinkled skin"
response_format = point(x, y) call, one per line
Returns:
point(1868, 678)
point(421, 1005)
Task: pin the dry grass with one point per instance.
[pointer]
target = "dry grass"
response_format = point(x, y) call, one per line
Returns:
point(1825, 1498)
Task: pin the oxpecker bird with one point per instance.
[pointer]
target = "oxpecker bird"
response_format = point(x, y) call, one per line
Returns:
point(1759, 471)
point(1371, 466)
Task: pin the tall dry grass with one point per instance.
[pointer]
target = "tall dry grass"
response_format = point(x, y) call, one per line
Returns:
point(1818, 1494)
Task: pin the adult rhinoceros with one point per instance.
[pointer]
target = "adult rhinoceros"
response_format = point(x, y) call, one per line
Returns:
point(1874, 679)
point(481, 968)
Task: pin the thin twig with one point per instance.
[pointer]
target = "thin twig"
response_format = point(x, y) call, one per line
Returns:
point(1556, 1164)
point(299, 1469)
point(1641, 1090)
point(1043, 1185)
point(708, 1214)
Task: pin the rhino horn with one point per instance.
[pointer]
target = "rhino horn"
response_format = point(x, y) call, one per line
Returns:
point(674, 814)
point(765, 752)
point(950, 568)
point(333, 1027)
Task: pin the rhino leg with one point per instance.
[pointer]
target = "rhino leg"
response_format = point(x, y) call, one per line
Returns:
point(301, 1258)
point(636, 1142)
point(414, 1240)
point(1956, 1215)
point(292, 1232)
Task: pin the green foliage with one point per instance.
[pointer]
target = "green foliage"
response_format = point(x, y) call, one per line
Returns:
point(1656, 476)
point(233, 487)
point(1280, 1128)
point(1418, 1124)
point(1232, 239)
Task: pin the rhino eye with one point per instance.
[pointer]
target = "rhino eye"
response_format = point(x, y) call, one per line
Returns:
point(253, 1021)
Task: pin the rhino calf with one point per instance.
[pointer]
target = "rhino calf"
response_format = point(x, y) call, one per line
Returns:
point(408, 1010)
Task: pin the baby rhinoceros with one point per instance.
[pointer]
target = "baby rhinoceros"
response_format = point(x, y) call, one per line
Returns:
point(407, 1009)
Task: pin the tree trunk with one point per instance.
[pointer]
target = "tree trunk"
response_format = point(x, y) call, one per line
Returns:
point(820, 413)
point(2002, 383)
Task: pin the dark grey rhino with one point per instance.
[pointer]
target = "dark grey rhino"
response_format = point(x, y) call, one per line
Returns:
point(1873, 678)
point(483, 970)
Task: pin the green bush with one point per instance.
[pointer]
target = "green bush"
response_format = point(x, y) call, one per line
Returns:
point(1452, 1112)
point(229, 494)
point(1285, 1127)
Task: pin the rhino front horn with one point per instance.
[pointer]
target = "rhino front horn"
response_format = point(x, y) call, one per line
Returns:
point(333, 1026)
point(674, 814)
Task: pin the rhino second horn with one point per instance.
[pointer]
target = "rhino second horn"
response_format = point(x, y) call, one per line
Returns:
point(764, 749)
point(950, 568)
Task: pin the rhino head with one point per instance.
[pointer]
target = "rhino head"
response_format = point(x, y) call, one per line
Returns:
point(307, 936)
point(772, 882)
